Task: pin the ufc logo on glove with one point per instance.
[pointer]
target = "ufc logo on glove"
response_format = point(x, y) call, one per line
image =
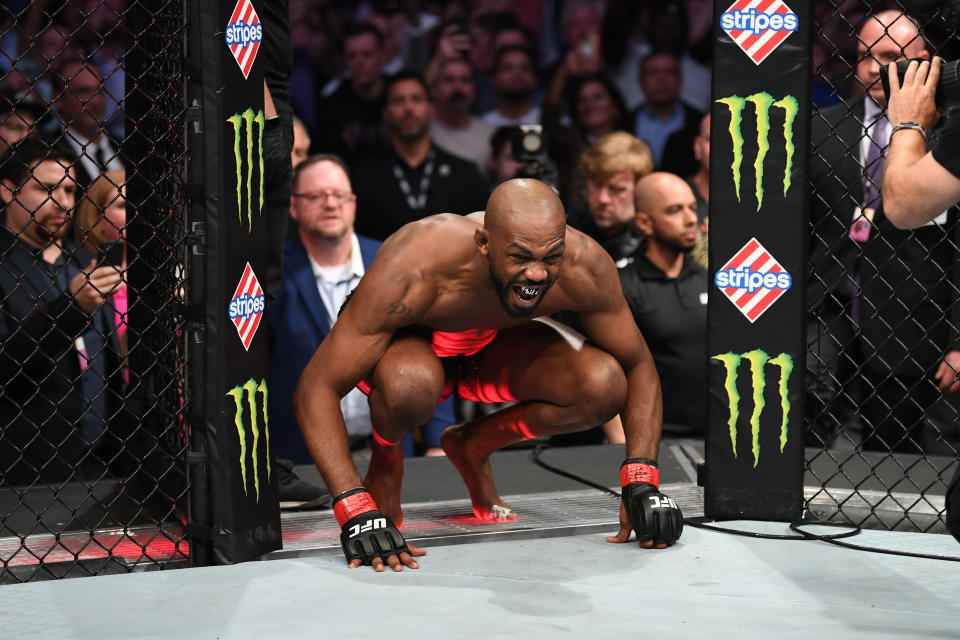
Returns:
point(662, 502)
point(369, 525)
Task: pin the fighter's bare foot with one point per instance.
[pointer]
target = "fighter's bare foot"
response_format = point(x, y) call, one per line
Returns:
point(383, 480)
point(477, 475)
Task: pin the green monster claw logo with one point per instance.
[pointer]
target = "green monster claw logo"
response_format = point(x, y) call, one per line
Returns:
point(758, 360)
point(237, 393)
point(241, 121)
point(761, 103)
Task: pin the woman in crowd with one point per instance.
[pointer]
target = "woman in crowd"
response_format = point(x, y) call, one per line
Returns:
point(596, 108)
point(99, 226)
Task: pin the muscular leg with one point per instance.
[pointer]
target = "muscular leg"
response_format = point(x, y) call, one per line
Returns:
point(559, 389)
point(407, 382)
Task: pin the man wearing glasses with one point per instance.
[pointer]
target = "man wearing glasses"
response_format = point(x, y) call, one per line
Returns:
point(321, 265)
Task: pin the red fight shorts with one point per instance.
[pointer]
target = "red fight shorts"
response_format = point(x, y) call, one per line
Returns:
point(460, 354)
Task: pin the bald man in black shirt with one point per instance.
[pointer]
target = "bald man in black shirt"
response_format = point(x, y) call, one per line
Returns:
point(667, 294)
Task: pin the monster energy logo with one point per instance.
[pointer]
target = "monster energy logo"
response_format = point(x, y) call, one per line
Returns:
point(761, 103)
point(245, 121)
point(758, 360)
point(246, 397)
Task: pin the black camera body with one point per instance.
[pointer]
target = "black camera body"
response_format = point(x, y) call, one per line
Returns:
point(948, 89)
point(526, 143)
point(111, 253)
point(527, 148)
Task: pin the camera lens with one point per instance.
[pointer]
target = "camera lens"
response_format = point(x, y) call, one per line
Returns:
point(948, 89)
point(531, 143)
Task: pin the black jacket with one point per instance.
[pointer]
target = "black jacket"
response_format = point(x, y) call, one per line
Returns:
point(908, 280)
point(454, 187)
point(41, 390)
point(620, 245)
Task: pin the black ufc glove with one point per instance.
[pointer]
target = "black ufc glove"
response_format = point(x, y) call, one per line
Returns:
point(653, 515)
point(366, 533)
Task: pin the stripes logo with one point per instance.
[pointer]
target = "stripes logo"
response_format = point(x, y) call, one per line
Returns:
point(243, 35)
point(246, 306)
point(759, 26)
point(753, 280)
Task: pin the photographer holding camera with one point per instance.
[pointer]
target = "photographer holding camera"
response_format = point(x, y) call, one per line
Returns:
point(919, 184)
point(867, 276)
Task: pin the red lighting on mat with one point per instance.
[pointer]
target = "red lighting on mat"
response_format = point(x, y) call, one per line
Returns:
point(134, 548)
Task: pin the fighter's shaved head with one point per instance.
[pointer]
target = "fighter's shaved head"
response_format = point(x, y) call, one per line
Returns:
point(651, 187)
point(667, 215)
point(522, 238)
point(522, 201)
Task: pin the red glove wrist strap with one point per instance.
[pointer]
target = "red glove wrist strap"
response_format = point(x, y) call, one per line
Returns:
point(633, 473)
point(352, 503)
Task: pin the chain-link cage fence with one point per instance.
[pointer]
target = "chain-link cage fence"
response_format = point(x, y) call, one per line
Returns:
point(884, 304)
point(93, 284)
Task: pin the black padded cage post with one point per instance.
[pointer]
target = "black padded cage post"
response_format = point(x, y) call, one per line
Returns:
point(232, 432)
point(757, 256)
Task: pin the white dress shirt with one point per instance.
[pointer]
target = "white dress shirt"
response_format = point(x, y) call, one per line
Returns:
point(334, 284)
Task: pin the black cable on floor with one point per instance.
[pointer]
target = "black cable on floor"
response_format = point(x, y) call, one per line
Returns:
point(702, 522)
point(535, 456)
point(796, 526)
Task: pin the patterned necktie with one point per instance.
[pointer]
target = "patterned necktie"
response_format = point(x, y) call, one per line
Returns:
point(872, 174)
point(873, 165)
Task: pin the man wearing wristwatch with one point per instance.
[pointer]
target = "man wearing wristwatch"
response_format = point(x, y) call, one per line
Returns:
point(919, 183)
point(881, 299)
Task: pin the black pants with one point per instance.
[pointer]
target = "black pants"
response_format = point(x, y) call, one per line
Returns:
point(831, 382)
point(894, 410)
point(953, 503)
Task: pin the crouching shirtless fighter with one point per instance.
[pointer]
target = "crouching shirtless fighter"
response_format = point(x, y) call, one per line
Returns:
point(448, 306)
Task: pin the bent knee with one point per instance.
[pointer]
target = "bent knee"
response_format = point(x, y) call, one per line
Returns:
point(602, 387)
point(409, 398)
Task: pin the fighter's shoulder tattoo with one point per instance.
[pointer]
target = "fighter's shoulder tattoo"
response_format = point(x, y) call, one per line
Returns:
point(400, 309)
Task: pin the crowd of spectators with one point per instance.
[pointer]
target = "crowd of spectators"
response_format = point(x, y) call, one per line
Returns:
point(401, 110)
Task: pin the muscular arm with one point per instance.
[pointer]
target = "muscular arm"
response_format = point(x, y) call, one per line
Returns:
point(611, 327)
point(916, 188)
point(654, 517)
point(387, 298)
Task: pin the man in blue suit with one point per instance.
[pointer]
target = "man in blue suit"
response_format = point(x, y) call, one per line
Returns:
point(321, 265)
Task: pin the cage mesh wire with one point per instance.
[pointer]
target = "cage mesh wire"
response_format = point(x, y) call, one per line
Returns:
point(881, 436)
point(93, 392)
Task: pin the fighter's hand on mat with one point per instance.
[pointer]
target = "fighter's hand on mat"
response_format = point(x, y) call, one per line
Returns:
point(372, 539)
point(655, 518)
point(369, 537)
